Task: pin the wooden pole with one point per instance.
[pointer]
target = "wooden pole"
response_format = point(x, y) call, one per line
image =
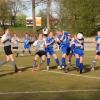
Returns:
point(48, 13)
point(33, 13)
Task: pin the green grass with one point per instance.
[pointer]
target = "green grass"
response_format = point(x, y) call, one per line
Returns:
point(20, 31)
point(47, 81)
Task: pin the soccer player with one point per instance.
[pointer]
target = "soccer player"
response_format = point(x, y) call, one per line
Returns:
point(63, 40)
point(40, 51)
point(78, 47)
point(50, 51)
point(15, 42)
point(69, 52)
point(97, 57)
point(6, 40)
point(26, 44)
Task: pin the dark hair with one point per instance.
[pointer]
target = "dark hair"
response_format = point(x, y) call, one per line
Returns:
point(81, 32)
point(5, 28)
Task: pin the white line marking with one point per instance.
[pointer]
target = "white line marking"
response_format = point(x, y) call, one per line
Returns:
point(70, 74)
point(59, 91)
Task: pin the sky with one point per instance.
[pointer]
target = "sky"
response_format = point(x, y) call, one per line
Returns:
point(28, 12)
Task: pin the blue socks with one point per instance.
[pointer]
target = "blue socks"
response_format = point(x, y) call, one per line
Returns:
point(81, 67)
point(48, 61)
point(57, 61)
point(77, 62)
point(63, 61)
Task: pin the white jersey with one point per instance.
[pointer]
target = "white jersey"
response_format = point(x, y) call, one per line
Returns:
point(39, 45)
point(6, 40)
point(15, 41)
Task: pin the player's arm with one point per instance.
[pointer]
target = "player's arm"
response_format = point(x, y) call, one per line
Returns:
point(53, 41)
point(4, 39)
point(61, 39)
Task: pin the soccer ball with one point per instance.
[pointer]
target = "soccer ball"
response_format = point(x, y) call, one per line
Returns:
point(80, 36)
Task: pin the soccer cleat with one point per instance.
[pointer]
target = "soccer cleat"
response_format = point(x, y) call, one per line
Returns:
point(59, 67)
point(48, 68)
point(17, 71)
point(65, 69)
point(69, 63)
point(82, 71)
point(92, 69)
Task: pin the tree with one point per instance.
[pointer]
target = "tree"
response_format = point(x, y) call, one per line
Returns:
point(21, 20)
point(4, 12)
point(79, 15)
point(15, 7)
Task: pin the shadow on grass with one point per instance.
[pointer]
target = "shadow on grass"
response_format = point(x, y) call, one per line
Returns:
point(12, 73)
point(6, 74)
point(25, 68)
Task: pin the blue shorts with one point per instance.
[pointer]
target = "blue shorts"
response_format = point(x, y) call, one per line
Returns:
point(50, 51)
point(26, 47)
point(80, 52)
point(69, 51)
point(64, 49)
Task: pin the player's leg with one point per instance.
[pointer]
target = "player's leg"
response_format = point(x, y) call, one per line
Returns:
point(13, 62)
point(29, 50)
point(93, 65)
point(4, 62)
point(43, 58)
point(56, 59)
point(81, 65)
point(17, 52)
point(23, 51)
point(35, 62)
point(77, 60)
point(69, 54)
point(64, 51)
point(48, 60)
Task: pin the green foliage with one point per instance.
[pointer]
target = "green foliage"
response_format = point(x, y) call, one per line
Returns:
point(80, 15)
point(20, 21)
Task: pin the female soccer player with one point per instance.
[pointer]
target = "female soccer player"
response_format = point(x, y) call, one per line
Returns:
point(97, 57)
point(40, 51)
point(15, 42)
point(26, 44)
point(50, 51)
point(78, 46)
point(63, 40)
point(6, 40)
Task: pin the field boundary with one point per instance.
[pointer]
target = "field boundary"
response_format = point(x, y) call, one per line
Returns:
point(55, 91)
point(70, 74)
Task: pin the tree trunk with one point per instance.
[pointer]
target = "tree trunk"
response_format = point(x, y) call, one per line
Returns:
point(33, 12)
point(48, 14)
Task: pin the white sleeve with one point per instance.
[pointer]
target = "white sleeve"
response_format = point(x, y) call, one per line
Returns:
point(35, 43)
point(3, 38)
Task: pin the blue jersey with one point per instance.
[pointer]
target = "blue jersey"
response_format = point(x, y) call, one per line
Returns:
point(26, 42)
point(79, 44)
point(78, 47)
point(65, 41)
point(98, 43)
point(50, 41)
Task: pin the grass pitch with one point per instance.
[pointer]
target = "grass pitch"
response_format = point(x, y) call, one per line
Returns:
point(52, 85)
